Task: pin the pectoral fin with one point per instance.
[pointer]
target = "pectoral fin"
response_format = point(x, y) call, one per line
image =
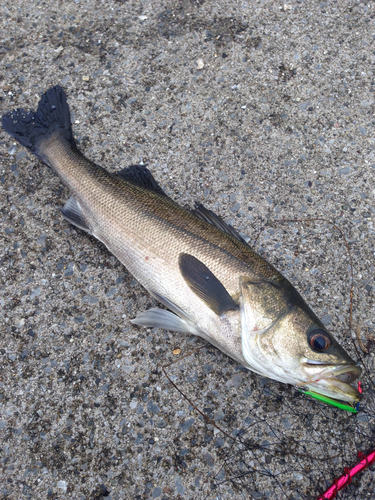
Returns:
point(204, 284)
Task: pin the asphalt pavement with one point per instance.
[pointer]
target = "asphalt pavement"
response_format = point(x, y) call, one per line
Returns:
point(261, 111)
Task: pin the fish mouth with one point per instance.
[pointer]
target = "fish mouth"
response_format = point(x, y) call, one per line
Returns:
point(333, 380)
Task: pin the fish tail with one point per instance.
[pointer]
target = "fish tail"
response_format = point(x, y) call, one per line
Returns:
point(32, 128)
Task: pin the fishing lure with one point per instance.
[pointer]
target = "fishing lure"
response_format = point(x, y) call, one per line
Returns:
point(349, 473)
point(332, 402)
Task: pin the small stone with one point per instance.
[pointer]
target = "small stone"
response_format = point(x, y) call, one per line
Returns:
point(298, 476)
point(161, 424)
point(184, 427)
point(42, 239)
point(209, 459)
point(200, 64)
point(345, 170)
point(35, 293)
point(326, 319)
point(267, 391)
point(157, 492)
point(104, 491)
point(247, 393)
point(104, 388)
point(264, 381)
point(111, 292)
point(219, 415)
point(235, 207)
point(192, 377)
point(85, 78)
point(286, 423)
point(69, 269)
point(153, 407)
point(62, 485)
point(176, 351)
point(89, 299)
point(180, 488)
point(19, 322)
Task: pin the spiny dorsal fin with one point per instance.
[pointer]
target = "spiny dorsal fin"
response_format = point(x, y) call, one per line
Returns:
point(140, 176)
point(205, 285)
point(209, 216)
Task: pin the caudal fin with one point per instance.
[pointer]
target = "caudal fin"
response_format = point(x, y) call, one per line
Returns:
point(31, 128)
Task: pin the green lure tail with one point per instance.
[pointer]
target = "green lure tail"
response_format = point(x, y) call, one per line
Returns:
point(332, 402)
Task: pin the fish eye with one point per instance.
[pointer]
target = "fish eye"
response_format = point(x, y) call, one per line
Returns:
point(319, 340)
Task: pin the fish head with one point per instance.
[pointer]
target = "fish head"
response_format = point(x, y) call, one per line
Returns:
point(284, 340)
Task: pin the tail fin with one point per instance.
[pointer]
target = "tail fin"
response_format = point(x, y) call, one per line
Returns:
point(32, 128)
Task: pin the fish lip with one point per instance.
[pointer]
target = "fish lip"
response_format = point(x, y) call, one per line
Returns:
point(343, 372)
point(334, 380)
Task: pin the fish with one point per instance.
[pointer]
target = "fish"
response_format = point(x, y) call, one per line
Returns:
point(210, 281)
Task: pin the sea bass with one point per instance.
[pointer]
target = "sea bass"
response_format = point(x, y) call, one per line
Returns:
point(213, 284)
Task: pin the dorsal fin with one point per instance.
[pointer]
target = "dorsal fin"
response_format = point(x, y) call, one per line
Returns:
point(209, 216)
point(205, 284)
point(140, 176)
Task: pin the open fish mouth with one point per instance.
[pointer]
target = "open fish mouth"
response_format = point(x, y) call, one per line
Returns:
point(333, 381)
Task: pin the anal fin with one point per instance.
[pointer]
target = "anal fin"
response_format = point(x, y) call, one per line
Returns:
point(73, 214)
point(166, 320)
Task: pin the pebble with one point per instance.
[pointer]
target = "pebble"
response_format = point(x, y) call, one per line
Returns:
point(89, 299)
point(219, 415)
point(344, 170)
point(62, 485)
point(207, 368)
point(157, 492)
point(200, 64)
point(286, 423)
point(326, 319)
point(184, 427)
point(153, 407)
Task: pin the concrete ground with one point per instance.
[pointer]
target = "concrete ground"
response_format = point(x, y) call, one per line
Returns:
point(261, 110)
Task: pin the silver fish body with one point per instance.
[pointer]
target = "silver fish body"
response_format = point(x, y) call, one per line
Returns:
point(213, 283)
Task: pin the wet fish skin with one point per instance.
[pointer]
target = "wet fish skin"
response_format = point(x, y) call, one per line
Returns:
point(216, 286)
